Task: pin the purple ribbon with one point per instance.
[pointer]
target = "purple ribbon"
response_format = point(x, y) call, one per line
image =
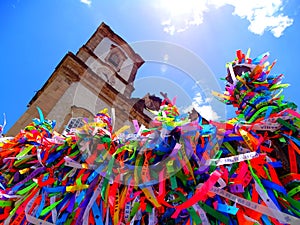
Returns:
point(31, 176)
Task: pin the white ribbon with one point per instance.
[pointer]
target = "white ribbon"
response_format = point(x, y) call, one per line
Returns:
point(284, 217)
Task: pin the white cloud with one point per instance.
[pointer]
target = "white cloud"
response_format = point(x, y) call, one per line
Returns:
point(203, 107)
point(262, 15)
point(87, 2)
point(207, 112)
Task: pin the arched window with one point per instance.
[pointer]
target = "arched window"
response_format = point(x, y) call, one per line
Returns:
point(75, 118)
point(72, 124)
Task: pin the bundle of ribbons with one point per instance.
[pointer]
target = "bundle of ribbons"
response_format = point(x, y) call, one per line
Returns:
point(176, 171)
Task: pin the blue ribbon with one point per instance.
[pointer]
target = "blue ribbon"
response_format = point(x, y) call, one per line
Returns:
point(97, 214)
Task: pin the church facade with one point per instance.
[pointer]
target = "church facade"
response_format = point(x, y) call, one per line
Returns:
point(100, 75)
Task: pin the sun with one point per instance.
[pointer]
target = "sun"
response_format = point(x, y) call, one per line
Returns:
point(177, 7)
point(180, 14)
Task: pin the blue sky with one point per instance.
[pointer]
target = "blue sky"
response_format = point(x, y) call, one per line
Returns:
point(35, 36)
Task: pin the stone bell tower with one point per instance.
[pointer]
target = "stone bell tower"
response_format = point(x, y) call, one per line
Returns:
point(100, 75)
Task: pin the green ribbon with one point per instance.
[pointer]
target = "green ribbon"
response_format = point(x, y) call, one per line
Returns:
point(209, 210)
point(50, 207)
point(5, 203)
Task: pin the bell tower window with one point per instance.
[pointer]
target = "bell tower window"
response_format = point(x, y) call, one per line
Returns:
point(115, 57)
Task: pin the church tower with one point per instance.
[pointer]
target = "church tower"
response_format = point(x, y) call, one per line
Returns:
point(100, 75)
